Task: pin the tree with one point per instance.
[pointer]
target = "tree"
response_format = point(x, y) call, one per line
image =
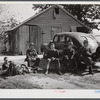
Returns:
point(2, 8)
point(10, 23)
point(41, 7)
point(85, 13)
point(6, 22)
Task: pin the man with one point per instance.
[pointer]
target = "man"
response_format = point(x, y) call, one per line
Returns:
point(5, 65)
point(85, 55)
point(8, 67)
point(53, 56)
point(68, 56)
point(96, 55)
point(32, 58)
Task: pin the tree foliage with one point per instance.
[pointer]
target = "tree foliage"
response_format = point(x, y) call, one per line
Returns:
point(6, 22)
point(88, 14)
point(10, 23)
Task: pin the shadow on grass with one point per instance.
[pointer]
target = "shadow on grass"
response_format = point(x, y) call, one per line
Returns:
point(83, 72)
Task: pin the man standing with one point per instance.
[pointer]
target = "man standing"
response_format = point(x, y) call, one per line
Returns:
point(85, 55)
point(53, 56)
point(32, 58)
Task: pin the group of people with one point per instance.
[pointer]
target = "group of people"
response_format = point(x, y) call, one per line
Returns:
point(69, 57)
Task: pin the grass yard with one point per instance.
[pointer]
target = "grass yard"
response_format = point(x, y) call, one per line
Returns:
point(81, 80)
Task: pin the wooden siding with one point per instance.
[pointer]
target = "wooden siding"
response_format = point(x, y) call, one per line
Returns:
point(47, 19)
point(23, 38)
point(46, 22)
point(35, 36)
point(14, 41)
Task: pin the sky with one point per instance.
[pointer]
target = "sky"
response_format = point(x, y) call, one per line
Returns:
point(19, 11)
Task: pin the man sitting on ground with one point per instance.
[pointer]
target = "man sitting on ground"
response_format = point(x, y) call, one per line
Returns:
point(69, 56)
point(96, 55)
point(85, 55)
point(53, 56)
point(32, 58)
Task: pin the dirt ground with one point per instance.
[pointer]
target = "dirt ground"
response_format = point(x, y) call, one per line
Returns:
point(69, 80)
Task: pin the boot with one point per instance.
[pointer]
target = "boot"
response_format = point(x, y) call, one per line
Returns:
point(59, 72)
point(46, 72)
point(35, 70)
point(90, 70)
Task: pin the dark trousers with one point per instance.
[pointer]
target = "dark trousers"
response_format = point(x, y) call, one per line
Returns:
point(88, 62)
point(69, 62)
point(10, 71)
point(33, 63)
point(57, 64)
point(96, 57)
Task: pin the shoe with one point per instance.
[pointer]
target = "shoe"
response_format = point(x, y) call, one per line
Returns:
point(59, 73)
point(46, 72)
point(91, 73)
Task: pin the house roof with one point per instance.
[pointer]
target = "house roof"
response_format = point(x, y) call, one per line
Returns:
point(33, 17)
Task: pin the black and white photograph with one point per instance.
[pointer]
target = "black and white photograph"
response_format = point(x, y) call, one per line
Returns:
point(49, 46)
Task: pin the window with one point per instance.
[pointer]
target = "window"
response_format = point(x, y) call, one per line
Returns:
point(56, 38)
point(55, 30)
point(82, 29)
point(62, 38)
point(57, 10)
point(68, 39)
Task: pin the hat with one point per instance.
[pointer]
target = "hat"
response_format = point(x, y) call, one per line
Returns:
point(85, 41)
point(70, 43)
point(31, 44)
point(50, 43)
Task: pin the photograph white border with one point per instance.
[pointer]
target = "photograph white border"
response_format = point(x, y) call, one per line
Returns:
point(49, 93)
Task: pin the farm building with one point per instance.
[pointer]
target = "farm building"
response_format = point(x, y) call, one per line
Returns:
point(41, 28)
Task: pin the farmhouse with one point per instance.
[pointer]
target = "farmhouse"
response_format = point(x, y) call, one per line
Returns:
point(41, 28)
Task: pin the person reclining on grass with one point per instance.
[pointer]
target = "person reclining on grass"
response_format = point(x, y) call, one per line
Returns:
point(32, 58)
point(86, 55)
point(69, 56)
point(5, 65)
point(53, 56)
point(8, 67)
